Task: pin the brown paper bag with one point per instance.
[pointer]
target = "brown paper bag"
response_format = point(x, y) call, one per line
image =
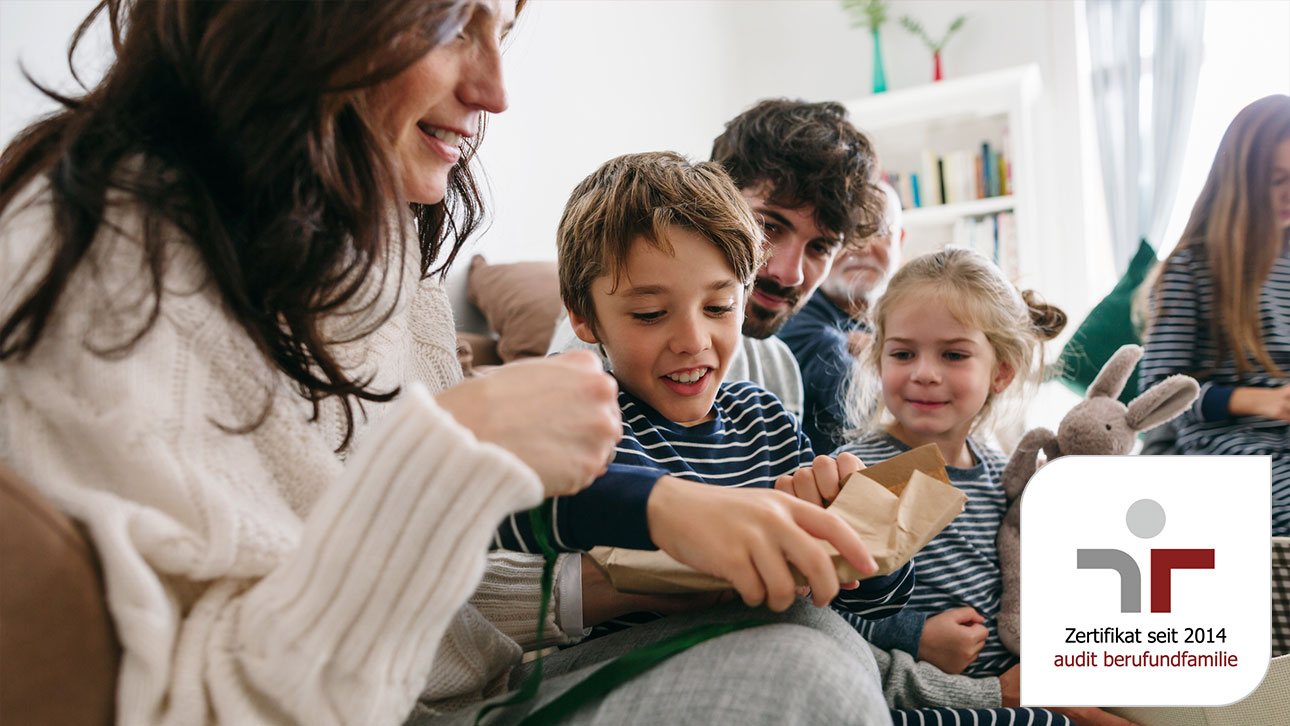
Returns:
point(896, 506)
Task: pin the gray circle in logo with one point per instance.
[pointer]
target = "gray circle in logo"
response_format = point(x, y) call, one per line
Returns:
point(1146, 518)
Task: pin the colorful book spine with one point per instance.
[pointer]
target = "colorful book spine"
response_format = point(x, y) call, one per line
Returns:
point(931, 191)
point(940, 179)
point(987, 172)
point(906, 191)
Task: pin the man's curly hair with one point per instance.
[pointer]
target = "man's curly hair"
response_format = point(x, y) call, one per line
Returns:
point(806, 154)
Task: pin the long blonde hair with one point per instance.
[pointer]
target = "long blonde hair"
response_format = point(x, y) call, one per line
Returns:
point(1232, 224)
point(979, 296)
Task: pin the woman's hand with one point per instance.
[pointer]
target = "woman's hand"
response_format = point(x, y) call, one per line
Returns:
point(820, 483)
point(559, 415)
point(953, 639)
point(749, 537)
point(1273, 403)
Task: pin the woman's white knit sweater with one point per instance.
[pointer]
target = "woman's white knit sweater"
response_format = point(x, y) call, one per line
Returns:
point(256, 577)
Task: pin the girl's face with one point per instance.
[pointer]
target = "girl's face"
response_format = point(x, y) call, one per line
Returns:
point(936, 372)
point(429, 109)
point(1281, 184)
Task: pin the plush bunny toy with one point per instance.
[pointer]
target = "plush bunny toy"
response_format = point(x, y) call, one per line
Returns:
point(1100, 424)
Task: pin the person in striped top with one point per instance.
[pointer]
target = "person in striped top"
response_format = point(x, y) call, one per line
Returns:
point(1221, 306)
point(951, 336)
point(656, 256)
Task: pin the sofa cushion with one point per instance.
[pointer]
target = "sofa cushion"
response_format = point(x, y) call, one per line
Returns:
point(1108, 326)
point(521, 302)
point(476, 352)
point(60, 650)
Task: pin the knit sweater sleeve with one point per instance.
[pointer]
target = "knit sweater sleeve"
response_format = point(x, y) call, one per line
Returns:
point(345, 630)
point(345, 627)
point(910, 683)
point(252, 577)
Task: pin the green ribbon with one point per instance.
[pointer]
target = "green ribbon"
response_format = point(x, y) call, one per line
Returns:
point(538, 517)
point(624, 668)
point(612, 674)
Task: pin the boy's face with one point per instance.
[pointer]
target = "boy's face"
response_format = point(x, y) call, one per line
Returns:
point(671, 326)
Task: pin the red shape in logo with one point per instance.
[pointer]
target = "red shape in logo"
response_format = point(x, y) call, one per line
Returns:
point(1164, 562)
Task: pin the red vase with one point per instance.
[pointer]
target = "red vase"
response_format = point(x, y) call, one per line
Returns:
point(936, 66)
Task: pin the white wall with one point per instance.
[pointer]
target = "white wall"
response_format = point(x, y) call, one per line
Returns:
point(590, 80)
point(37, 33)
point(593, 80)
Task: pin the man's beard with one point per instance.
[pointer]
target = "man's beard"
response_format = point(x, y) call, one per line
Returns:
point(760, 322)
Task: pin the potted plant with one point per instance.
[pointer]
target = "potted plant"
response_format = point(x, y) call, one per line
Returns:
point(915, 27)
point(871, 14)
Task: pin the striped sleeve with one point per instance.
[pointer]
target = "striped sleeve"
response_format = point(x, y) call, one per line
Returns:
point(609, 512)
point(878, 597)
point(1179, 334)
point(1171, 343)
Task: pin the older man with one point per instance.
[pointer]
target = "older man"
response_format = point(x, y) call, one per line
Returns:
point(832, 328)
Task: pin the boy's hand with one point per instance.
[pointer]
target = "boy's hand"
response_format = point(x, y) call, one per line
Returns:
point(953, 639)
point(820, 483)
point(749, 537)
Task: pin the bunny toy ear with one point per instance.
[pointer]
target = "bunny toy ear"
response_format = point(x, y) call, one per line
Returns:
point(1161, 402)
point(1111, 379)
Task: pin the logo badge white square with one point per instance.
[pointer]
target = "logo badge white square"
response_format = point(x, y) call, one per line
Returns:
point(1145, 580)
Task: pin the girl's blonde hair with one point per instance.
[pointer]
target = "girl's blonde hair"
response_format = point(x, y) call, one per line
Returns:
point(1233, 226)
point(979, 296)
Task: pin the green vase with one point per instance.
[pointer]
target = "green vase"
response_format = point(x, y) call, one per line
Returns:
point(879, 75)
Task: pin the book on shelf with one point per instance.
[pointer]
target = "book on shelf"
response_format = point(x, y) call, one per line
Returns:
point(993, 235)
point(929, 191)
point(955, 177)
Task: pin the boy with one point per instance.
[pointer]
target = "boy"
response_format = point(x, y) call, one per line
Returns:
point(807, 174)
point(656, 257)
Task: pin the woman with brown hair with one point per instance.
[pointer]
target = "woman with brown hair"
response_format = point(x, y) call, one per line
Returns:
point(1221, 307)
point(225, 349)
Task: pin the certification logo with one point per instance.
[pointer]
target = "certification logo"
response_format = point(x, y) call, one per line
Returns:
point(1145, 580)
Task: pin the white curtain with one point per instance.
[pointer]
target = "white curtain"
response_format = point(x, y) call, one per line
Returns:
point(1144, 89)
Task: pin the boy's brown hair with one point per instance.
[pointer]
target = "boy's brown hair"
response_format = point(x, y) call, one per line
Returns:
point(637, 196)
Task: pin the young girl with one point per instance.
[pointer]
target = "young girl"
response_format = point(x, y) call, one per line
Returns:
point(951, 335)
point(1221, 308)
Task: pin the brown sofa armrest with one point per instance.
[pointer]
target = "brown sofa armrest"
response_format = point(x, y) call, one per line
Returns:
point(58, 650)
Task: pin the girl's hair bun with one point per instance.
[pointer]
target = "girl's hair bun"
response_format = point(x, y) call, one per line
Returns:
point(1049, 320)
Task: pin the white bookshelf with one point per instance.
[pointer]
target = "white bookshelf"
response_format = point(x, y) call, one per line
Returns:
point(943, 214)
point(957, 115)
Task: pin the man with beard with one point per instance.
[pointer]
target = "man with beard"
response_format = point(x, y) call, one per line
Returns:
point(808, 175)
point(832, 328)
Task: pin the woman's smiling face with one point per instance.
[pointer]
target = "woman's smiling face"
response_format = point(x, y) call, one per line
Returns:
point(429, 109)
